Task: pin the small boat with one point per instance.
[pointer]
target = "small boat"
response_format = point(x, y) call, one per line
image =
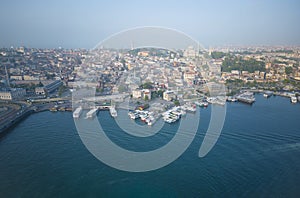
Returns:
point(62, 109)
point(133, 115)
point(113, 111)
point(53, 109)
point(294, 99)
point(231, 99)
point(268, 94)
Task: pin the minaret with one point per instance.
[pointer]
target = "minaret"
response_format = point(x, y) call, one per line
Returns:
point(7, 77)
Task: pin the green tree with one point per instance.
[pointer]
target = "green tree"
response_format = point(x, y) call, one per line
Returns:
point(176, 103)
point(146, 98)
point(288, 70)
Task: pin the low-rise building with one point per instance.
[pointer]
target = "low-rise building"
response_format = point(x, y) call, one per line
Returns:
point(169, 95)
point(48, 88)
point(12, 94)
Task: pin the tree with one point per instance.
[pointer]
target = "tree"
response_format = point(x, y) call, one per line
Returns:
point(176, 103)
point(146, 97)
point(288, 70)
point(237, 63)
point(217, 55)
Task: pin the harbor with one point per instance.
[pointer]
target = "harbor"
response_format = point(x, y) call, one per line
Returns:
point(169, 113)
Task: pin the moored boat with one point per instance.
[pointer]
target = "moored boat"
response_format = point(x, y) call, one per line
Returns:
point(77, 112)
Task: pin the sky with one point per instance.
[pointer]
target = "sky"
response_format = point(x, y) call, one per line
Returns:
point(83, 24)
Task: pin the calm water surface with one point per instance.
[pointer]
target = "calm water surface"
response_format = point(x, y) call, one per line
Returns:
point(257, 155)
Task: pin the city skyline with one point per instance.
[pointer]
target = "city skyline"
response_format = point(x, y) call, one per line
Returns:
point(82, 25)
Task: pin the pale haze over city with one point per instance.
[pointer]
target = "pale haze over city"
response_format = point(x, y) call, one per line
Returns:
point(84, 24)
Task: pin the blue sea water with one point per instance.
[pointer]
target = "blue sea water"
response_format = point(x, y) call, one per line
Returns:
point(257, 155)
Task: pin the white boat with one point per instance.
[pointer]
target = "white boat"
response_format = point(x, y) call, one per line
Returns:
point(299, 98)
point(113, 111)
point(268, 94)
point(133, 115)
point(293, 99)
point(231, 99)
point(77, 112)
point(92, 113)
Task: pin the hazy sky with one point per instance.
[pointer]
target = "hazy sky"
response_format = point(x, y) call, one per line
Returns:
point(74, 24)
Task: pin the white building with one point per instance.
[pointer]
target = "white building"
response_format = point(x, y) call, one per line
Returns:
point(169, 95)
point(137, 94)
point(145, 93)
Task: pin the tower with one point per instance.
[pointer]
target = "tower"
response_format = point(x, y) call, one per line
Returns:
point(7, 77)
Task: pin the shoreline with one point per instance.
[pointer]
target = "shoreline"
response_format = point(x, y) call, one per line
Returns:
point(13, 123)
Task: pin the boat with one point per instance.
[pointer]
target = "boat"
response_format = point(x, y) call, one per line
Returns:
point(299, 98)
point(232, 99)
point(268, 94)
point(53, 109)
point(133, 115)
point(113, 111)
point(202, 104)
point(77, 112)
point(294, 99)
point(92, 113)
point(62, 109)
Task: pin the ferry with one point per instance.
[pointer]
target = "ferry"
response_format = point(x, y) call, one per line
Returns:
point(294, 99)
point(92, 113)
point(113, 111)
point(268, 94)
point(246, 97)
point(77, 112)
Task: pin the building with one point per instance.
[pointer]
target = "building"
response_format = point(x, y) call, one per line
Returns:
point(48, 88)
point(169, 95)
point(144, 94)
point(40, 91)
point(190, 52)
point(137, 94)
point(12, 94)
